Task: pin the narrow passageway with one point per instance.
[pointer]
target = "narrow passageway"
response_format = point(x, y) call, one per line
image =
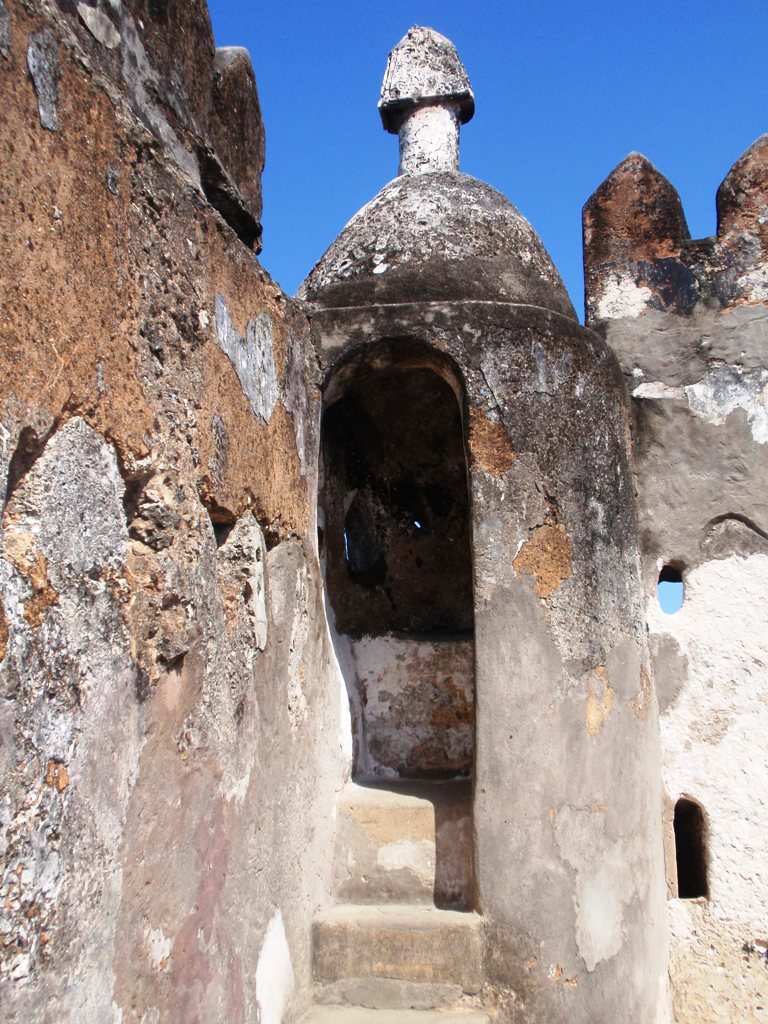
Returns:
point(398, 567)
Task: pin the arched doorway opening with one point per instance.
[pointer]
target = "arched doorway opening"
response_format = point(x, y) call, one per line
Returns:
point(398, 563)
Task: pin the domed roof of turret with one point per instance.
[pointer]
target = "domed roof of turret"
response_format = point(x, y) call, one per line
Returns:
point(437, 236)
point(434, 234)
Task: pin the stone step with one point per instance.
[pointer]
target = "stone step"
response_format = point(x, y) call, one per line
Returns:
point(360, 1015)
point(401, 943)
point(405, 841)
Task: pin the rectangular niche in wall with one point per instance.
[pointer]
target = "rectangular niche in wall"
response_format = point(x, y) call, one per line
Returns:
point(691, 850)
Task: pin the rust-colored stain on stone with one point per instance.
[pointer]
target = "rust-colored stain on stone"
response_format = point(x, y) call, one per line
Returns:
point(19, 548)
point(642, 700)
point(434, 761)
point(453, 715)
point(489, 443)
point(3, 631)
point(57, 776)
point(599, 701)
point(546, 556)
point(44, 597)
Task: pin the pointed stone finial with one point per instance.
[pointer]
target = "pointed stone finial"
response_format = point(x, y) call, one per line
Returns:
point(425, 96)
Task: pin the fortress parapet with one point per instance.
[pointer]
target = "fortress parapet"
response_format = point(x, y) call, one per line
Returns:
point(638, 253)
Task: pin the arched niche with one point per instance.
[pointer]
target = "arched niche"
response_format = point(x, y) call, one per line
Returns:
point(397, 555)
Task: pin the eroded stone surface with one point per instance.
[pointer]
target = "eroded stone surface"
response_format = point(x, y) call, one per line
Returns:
point(70, 689)
point(698, 387)
point(567, 674)
point(448, 236)
point(162, 622)
point(743, 197)
point(237, 131)
point(423, 68)
point(173, 706)
point(100, 25)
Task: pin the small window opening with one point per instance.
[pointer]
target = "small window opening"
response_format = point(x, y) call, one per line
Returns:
point(670, 590)
point(691, 850)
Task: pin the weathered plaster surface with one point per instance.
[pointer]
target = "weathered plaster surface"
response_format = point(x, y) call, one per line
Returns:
point(698, 383)
point(418, 705)
point(601, 887)
point(429, 142)
point(170, 712)
point(251, 357)
point(444, 235)
point(712, 733)
point(722, 391)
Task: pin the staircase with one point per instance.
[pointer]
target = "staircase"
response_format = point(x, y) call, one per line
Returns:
point(400, 944)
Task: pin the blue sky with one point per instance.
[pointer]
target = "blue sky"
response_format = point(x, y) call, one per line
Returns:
point(563, 91)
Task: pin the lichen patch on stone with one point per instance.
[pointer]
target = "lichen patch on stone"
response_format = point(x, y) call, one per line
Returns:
point(546, 556)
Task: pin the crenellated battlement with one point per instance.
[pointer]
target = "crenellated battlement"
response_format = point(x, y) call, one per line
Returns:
point(638, 253)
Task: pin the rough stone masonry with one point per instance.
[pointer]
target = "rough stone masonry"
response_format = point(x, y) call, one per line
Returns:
point(333, 681)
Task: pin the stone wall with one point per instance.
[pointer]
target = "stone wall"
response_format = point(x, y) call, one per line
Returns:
point(165, 717)
point(688, 320)
point(173, 718)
